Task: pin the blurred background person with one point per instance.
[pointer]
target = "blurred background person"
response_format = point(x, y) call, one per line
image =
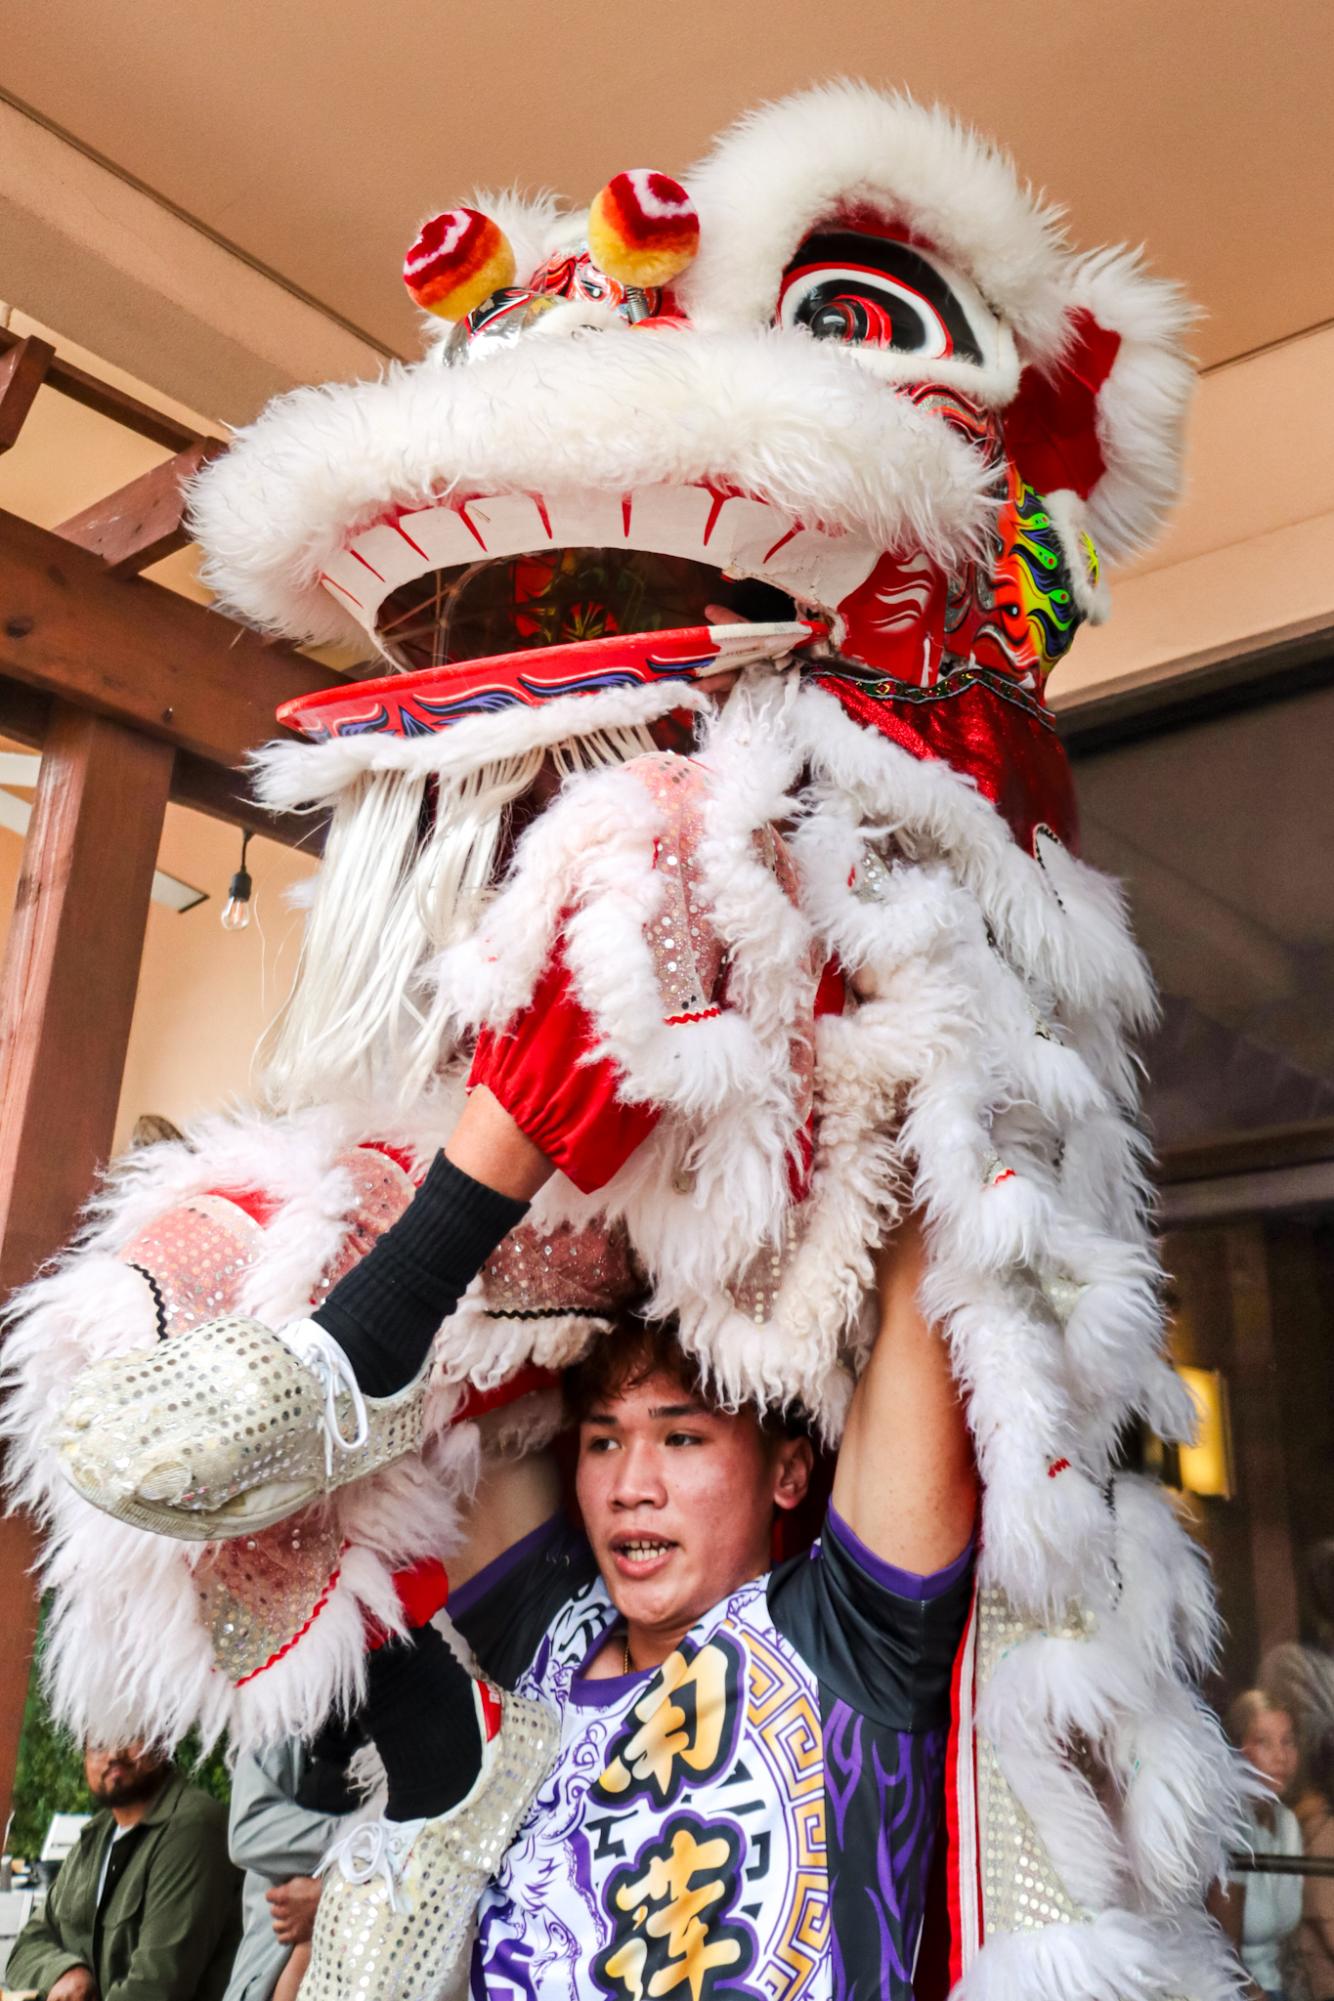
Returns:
point(1262, 1911)
point(146, 1906)
point(1315, 1815)
point(288, 1805)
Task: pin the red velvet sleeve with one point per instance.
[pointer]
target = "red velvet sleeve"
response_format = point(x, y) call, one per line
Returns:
point(568, 1108)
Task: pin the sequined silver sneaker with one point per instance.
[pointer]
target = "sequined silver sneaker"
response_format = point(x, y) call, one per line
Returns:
point(396, 1917)
point(228, 1428)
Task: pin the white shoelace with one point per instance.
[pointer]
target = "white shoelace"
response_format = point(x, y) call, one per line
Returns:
point(316, 1347)
point(364, 1852)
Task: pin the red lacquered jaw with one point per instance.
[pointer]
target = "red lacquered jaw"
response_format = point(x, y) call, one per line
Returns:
point(423, 703)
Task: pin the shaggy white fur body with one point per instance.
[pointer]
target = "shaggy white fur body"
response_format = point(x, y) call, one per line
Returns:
point(708, 1193)
point(127, 1647)
point(115, 1586)
point(705, 1196)
point(1000, 992)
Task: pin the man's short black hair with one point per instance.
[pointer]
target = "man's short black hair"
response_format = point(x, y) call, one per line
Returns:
point(639, 1348)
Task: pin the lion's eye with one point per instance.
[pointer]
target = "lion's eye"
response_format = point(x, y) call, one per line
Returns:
point(876, 291)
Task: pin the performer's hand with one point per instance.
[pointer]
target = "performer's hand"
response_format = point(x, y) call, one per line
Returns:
point(75, 1984)
point(294, 1905)
point(721, 684)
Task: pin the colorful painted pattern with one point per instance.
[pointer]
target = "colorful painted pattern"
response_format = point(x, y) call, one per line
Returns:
point(575, 275)
point(1020, 615)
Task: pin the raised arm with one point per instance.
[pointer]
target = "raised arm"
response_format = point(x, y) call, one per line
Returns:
point(491, 1146)
point(906, 1483)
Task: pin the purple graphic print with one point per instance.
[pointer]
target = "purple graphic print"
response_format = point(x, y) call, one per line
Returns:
point(883, 1793)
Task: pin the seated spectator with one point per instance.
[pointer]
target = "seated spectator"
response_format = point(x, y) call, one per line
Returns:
point(146, 1906)
point(287, 1807)
point(1315, 1813)
point(1272, 1904)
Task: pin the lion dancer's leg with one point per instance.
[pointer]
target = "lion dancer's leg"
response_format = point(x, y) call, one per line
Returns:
point(231, 1427)
point(461, 1761)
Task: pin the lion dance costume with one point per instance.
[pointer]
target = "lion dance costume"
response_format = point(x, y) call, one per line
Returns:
point(851, 380)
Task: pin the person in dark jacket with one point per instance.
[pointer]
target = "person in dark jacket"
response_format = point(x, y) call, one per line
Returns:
point(147, 1904)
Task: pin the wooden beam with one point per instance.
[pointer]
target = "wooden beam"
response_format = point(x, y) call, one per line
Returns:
point(225, 795)
point(22, 372)
point(67, 993)
point(206, 788)
point(142, 522)
point(1260, 1151)
point(108, 401)
point(137, 653)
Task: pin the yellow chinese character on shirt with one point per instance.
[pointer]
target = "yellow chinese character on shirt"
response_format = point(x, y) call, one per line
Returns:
point(683, 1728)
point(676, 1896)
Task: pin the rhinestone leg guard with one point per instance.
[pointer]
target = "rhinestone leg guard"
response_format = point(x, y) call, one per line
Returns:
point(227, 1428)
point(399, 1902)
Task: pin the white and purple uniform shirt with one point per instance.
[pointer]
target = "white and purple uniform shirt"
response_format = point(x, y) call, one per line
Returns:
point(753, 1818)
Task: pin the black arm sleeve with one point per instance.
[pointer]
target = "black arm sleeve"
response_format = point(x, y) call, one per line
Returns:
point(503, 1613)
point(887, 1652)
point(385, 1312)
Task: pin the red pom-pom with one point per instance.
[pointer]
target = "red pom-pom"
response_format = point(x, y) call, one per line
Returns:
point(458, 261)
point(643, 229)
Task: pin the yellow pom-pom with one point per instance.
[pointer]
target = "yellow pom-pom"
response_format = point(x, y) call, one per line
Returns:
point(643, 229)
point(457, 262)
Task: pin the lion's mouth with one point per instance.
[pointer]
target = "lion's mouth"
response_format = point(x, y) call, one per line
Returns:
point(559, 597)
point(480, 576)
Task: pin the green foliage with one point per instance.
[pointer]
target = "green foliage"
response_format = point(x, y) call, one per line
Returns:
point(50, 1778)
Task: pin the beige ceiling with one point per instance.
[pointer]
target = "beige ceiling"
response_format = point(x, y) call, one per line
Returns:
point(315, 134)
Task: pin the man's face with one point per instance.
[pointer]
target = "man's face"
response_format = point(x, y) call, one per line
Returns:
point(122, 1774)
point(678, 1500)
point(1271, 1746)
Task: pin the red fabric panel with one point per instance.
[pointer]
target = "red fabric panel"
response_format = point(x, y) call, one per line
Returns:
point(1051, 428)
point(423, 1590)
point(831, 996)
point(568, 1108)
point(1013, 759)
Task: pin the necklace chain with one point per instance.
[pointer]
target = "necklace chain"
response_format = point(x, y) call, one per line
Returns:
point(626, 1667)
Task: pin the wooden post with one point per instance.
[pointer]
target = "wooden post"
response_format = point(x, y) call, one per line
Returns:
point(22, 372)
point(67, 995)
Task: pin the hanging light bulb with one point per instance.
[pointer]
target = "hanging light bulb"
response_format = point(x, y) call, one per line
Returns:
point(236, 910)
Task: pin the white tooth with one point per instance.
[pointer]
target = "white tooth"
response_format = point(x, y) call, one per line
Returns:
point(382, 549)
point(511, 523)
point(744, 533)
point(443, 537)
point(671, 519)
point(353, 587)
point(585, 520)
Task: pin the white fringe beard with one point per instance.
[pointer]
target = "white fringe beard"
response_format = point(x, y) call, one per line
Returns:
point(410, 859)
